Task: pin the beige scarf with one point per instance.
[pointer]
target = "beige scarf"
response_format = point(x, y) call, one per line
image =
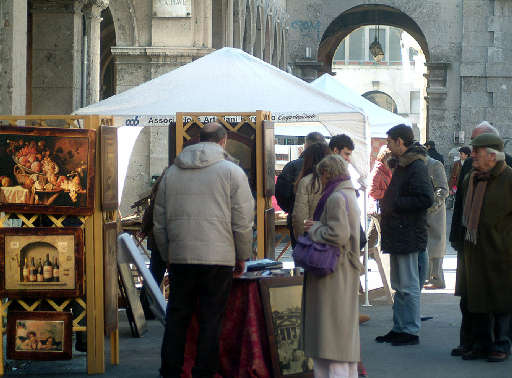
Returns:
point(475, 199)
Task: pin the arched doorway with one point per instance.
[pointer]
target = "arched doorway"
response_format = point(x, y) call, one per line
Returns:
point(396, 80)
point(363, 15)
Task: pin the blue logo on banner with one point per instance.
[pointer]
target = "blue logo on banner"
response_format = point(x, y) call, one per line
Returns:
point(132, 121)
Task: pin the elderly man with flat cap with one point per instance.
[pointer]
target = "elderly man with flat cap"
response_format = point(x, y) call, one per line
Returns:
point(457, 233)
point(487, 218)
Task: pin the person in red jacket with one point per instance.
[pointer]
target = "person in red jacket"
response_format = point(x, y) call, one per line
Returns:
point(380, 176)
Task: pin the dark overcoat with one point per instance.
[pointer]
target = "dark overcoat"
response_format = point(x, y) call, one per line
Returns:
point(488, 264)
point(405, 203)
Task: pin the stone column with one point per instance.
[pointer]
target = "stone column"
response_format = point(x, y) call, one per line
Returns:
point(92, 12)
point(438, 118)
point(13, 56)
point(229, 23)
point(55, 57)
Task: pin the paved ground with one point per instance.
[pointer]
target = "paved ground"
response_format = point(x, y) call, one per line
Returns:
point(430, 359)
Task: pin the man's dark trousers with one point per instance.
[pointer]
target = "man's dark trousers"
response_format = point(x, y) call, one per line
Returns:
point(207, 288)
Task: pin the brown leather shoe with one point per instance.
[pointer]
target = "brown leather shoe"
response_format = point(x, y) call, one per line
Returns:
point(431, 286)
point(363, 318)
point(497, 356)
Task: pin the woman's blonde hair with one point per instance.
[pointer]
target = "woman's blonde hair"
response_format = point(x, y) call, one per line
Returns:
point(332, 166)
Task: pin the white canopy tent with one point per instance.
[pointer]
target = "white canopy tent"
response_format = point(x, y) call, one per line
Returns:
point(380, 119)
point(230, 80)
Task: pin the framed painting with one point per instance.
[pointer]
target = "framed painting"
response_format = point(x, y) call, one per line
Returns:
point(109, 184)
point(269, 159)
point(282, 306)
point(43, 262)
point(110, 280)
point(47, 170)
point(39, 335)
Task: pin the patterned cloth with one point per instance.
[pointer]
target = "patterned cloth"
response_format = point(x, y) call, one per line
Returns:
point(244, 349)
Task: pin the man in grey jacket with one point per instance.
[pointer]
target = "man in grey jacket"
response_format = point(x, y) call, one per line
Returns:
point(203, 219)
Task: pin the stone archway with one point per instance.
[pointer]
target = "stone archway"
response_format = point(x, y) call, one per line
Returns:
point(363, 15)
point(125, 23)
point(379, 14)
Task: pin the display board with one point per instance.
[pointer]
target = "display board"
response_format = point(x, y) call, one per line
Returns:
point(87, 305)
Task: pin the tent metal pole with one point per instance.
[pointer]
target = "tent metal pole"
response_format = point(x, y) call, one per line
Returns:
point(366, 301)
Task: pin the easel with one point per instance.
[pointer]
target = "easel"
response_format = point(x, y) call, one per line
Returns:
point(382, 264)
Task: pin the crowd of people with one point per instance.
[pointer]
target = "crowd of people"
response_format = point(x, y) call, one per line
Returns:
point(205, 194)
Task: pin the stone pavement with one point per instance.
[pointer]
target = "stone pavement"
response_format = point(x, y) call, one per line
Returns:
point(430, 359)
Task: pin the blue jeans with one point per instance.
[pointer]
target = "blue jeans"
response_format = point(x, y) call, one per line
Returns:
point(405, 281)
point(423, 267)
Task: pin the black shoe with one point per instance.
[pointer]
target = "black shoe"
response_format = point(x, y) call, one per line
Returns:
point(459, 351)
point(387, 338)
point(474, 354)
point(405, 339)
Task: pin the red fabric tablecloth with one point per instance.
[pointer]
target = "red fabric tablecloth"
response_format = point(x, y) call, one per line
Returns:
point(244, 350)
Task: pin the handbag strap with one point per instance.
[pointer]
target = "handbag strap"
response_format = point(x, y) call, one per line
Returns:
point(329, 189)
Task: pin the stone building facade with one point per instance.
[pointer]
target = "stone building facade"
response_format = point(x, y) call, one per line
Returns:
point(465, 43)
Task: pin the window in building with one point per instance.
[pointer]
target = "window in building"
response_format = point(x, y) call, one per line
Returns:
point(412, 53)
point(415, 102)
point(395, 48)
point(356, 51)
point(339, 55)
point(381, 99)
point(382, 40)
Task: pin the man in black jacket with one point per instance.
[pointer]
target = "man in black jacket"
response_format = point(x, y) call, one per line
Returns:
point(404, 232)
point(432, 152)
point(285, 183)
point(457, 232)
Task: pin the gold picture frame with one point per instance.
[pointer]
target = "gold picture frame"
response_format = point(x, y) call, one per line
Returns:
point(26, 255)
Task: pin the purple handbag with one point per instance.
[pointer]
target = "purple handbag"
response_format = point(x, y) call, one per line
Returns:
point(318, 258)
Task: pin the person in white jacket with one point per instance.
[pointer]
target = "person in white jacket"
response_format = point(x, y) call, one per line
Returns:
point(203, 220)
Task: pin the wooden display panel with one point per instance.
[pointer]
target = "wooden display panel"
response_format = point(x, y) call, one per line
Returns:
point(88, 312)
point(109, 184)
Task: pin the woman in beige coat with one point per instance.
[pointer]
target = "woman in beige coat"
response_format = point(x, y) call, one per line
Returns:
point(308, 187)
point(330, 303)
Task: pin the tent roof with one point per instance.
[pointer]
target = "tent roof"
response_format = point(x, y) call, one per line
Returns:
point(227, 80)
point(380, 119)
